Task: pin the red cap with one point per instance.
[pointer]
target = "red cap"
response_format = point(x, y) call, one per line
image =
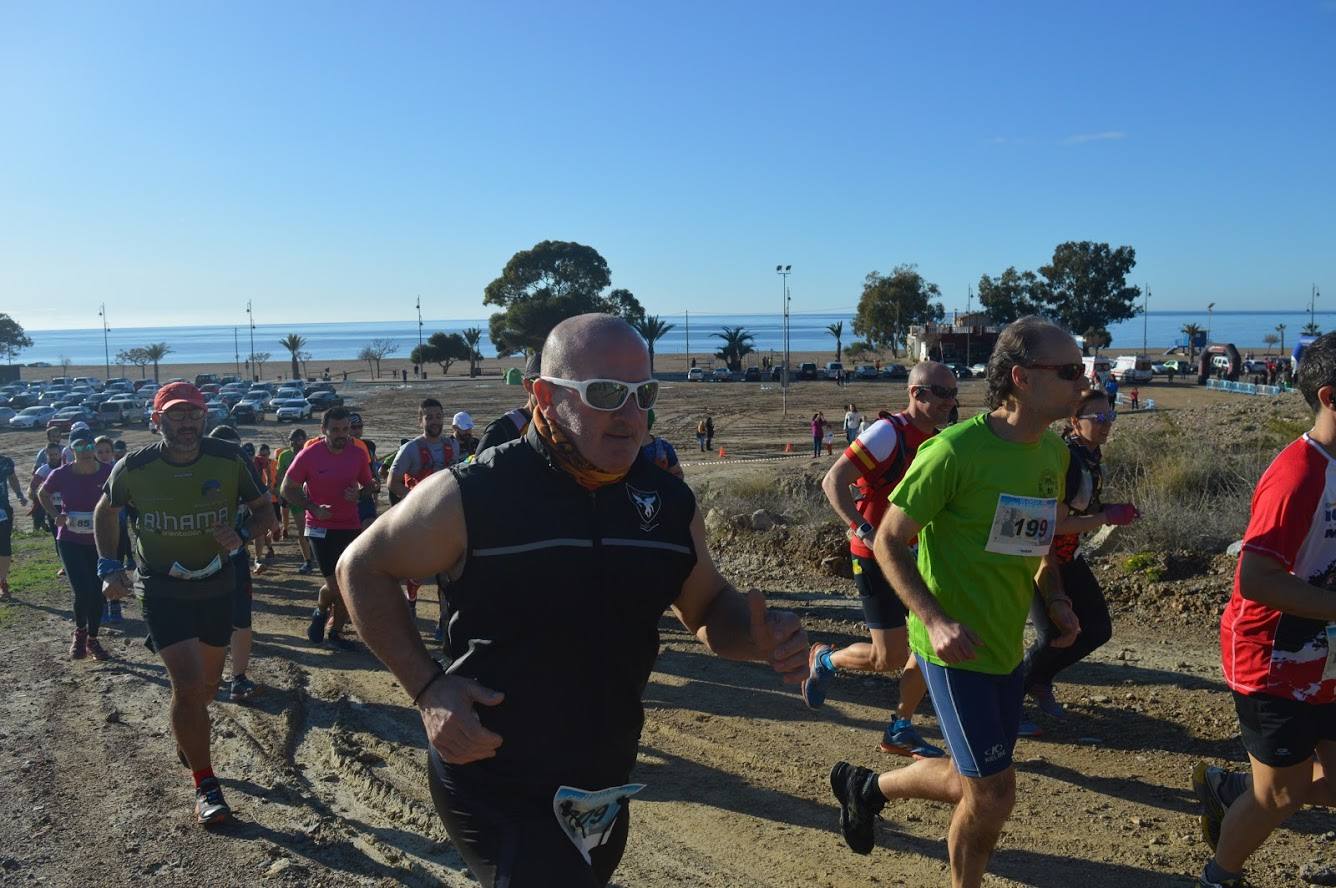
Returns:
point(174, 393)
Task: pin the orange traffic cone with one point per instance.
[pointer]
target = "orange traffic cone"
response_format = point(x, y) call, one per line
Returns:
point(788, 448)
point(722, 453)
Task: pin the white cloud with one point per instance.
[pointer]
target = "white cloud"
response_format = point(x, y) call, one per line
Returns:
point(1107, 136)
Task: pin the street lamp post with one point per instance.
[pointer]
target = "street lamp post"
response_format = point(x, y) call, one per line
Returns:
point(419, 311)
point(1145, 322)
point(106, 347)
point(969, 309)
point(783, 271)
point(1209, 308)
point(1312, 307)
point(250, 316)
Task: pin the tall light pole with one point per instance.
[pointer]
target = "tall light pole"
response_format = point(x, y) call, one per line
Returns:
point(419, 311)
point(106, 347)
point(1145, 321)
point(250, 316)
point(1312, 306)
point(783, 271)
point(688, 331)
point(969, 309)
point(1209, 309)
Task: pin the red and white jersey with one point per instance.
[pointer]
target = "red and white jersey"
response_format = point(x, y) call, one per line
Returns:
point(878, 454)
point(1266, 651)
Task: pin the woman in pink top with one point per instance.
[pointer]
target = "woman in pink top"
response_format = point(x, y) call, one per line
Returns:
point(69, 493)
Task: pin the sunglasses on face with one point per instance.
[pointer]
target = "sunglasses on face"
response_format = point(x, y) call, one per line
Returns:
point(181, 414)
point(610, 394)
point(83, 445)
point(1068, 372)
point(941, 391)
point(1102, 416)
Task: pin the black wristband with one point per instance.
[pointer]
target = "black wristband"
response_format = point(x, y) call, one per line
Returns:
point(431, 681)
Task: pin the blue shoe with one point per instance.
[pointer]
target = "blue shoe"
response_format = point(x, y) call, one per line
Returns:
point(818, 677)
point(1029, 729)
point(1042, 695)
point(115, 615)
point(902, 738)
point(315, 631)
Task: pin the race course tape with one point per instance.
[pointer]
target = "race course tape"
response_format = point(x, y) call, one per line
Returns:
point(741, 459)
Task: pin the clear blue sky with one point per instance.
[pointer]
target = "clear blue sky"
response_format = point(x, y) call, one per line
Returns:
point(334, 160)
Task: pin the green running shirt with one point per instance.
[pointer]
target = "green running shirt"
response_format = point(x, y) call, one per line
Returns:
point(176, 508)
point(988, 508)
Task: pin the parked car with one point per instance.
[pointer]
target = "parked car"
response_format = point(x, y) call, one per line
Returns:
point(895, 371)
point(287, 392)
point(696, 374)
point(114, 412)
point(22, 399)
point(751, 374)
point(721, 374)
point(203, 379)
point(64, 419)
point(866, 371)
point(831, 370)
point(149, 385)
point(323, 400)
point(1132, 368)
point(247, 412)
point(32, 417)
point(806, 370)
point(217, 412)
point(261, 397)
point(980, 369)
point(960, 370)
point(129, 403)
point(295, 409)
point(318, 387)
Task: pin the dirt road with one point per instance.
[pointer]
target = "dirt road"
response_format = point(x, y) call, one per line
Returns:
point(325, 768)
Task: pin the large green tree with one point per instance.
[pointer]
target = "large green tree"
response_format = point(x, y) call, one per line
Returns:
point(737, 345)
point(651, 328)
point(443, 349)
point(891, 303)
point(542, 286)
point(12, 338)
point(1012, 294)
point(1086, 285)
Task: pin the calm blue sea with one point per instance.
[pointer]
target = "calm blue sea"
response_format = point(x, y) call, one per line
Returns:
point(807, 332)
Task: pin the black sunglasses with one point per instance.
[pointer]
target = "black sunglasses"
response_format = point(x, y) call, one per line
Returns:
point(941, 391)
point(1064, 371)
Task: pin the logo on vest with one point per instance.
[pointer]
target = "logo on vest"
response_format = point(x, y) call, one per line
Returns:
point(647, 503)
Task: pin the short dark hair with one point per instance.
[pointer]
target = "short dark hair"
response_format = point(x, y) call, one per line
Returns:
point(334, 414)
point(426, 403)
point(1317, 368)
point(1018, 345)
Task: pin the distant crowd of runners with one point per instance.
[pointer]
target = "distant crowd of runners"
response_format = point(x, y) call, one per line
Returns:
point(559, 536)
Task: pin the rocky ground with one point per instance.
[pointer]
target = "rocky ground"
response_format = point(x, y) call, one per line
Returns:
point(325, 767)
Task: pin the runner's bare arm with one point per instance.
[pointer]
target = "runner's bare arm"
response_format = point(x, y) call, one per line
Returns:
point(1049, 583)
point(106, 527)
point(18, 490)
point(419, 537)
point(1265, 580)
point(737, 626)
point(836, 488)
point(47, 502)
point(952, 641)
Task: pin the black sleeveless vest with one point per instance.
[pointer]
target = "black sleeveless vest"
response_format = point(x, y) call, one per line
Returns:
point(558, 607)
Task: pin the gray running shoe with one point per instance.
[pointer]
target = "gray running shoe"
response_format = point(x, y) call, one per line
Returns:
point(209, 805)
point(242, 689)
point(1206, 781)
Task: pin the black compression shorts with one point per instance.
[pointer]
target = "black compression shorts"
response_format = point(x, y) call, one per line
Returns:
point(511, 842)
point(882, 608)
point(1280, 732)
point(329, 547)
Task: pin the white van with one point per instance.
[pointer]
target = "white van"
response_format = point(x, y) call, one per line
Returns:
point(1132, 368)
point(1097, 370)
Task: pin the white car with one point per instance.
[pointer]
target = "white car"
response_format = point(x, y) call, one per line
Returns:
point(32, 417)
point(295, 409)
point(979, 369)
point(290, 393)
point(696, 374)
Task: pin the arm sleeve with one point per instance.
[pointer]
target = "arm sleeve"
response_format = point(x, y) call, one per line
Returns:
point(117, 487)
point(402, 461)
point(297, 468)
point(1283, 507)
point(249, 485)
point(874, 447)
point(929, 482)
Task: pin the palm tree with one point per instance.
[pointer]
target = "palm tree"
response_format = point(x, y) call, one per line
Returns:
point(294, 344)
point(473, 336)
point(652, 329)
point(1192, 331)
point(737, 345)
point(837, 330)
point(1311, 329)
point(155, 353)
point(1280, 328)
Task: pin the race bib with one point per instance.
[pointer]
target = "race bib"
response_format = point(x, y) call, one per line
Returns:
point(315, 533)
point(1023, 525)
point(587, 817)
point(1330, 670)
point(79, 522)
